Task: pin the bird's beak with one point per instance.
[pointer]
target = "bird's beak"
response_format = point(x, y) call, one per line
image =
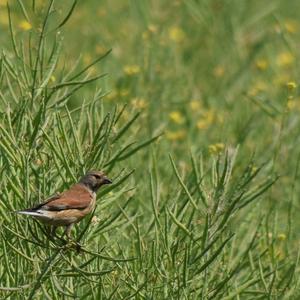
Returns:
point(106, 181)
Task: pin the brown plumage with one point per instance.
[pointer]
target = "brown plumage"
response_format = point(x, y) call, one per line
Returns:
point(72, 205)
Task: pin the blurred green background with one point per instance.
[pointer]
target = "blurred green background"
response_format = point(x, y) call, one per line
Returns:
point(210, 74)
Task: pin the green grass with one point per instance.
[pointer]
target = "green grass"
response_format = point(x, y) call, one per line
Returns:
point(192, 108)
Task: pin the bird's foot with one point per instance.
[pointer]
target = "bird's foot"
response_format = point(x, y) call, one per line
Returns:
point(72, 244)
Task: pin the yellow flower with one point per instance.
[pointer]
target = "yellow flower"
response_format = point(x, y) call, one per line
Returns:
point(176, 34)
point(124, 92)
point(291, 26)
point(131, 69)
point(3, 17)
point(261, 64)
point(202, 124)
point(195, 105)
point(175, 135)
point(100, 50)
point(176, 117)
point(139, 103)
point(284, 59)
point(112, 95)
point(24, 25)
point(291, 85)
point(87, 58)
point(216, 148)
point(280, 254)
point(152, 28)
point(220, 118)
point(291, 104)
point(281, 237)
point(207, 119)
point(126, 115)
point(145, 35)
point(281, 79)
point(258, 87)
point(219, 71)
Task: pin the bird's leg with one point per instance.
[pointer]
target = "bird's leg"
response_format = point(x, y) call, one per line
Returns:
point(54, 234)
point(68, 231)
point(74, 244)
point(48, 232)
point(53, 231)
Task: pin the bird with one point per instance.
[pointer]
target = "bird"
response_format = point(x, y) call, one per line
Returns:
point(70, 206)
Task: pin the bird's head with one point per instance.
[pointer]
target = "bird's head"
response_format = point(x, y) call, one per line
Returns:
point(94, 180)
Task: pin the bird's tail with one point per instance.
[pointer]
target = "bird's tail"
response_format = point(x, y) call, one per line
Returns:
point(28, 212)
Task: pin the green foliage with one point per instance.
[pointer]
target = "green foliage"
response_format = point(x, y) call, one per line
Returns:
point(186, 216)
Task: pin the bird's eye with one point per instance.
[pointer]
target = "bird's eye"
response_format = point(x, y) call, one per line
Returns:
point(97, 176)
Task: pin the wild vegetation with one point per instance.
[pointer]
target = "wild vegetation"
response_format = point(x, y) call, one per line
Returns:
point(192, 108)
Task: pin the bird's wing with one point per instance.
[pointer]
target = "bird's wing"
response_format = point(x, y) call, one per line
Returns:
point(77, 197)
point(46, 201)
